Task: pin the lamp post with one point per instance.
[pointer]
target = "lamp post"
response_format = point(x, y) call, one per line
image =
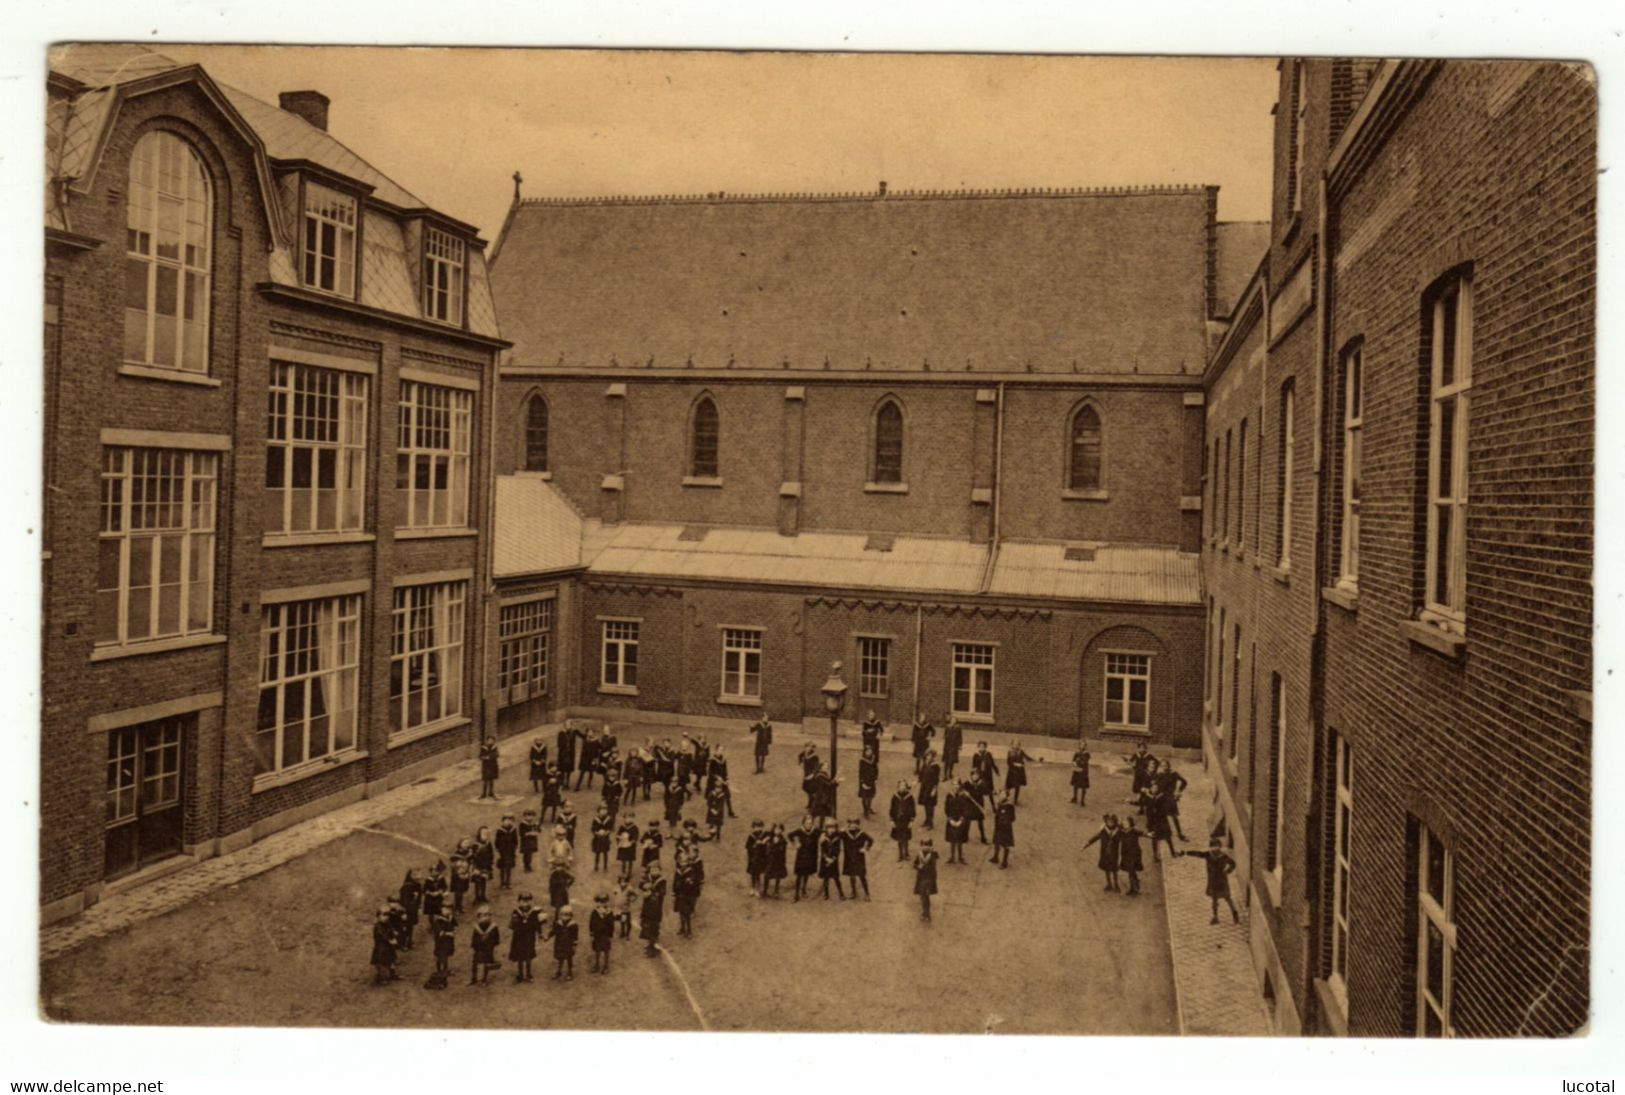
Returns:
point(834, 691)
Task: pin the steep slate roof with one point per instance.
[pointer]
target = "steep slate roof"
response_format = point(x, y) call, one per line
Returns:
point(1108, 281)
point(1241, 246)
point(73, 140)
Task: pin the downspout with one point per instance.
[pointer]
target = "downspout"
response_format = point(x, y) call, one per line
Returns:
point(488, 552)
point(998, 491)
point(919, 635)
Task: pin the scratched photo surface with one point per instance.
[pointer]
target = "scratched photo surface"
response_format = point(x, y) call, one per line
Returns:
point(641, 540)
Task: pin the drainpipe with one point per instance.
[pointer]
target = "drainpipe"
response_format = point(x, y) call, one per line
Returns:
point(998, 490)
point(919, 632)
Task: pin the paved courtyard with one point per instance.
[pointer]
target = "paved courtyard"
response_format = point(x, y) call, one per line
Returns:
point(249, 939)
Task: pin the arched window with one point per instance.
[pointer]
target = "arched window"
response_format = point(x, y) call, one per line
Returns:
point(703, 431)
point(1083, 467)
point(536, 433)
point(888, 442)
point(166, 266)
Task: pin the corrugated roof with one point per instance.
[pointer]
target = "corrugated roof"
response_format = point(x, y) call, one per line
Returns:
point(1131, 573)
point(534, 528)
point(1092, 281)
point(839, 560)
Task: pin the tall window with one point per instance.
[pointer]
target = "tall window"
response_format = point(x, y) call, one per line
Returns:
point(1083, 472)
point(442, 276)
point(874, 667)
point(973, 679)
point(619, 662)
point(1285, 453)
point(329, 252)
point(1342, 821)
point(166, 260)
point(1212, 644)
point(310, 653)
point(888, 455)
point(524, 633)
point(1128, 691)
point(1452, 381)
point(1277, 813)
point(1235, 693)
point(155, 567)
point(1436, 936)
point(431, 462)
point(1353, 417)
point(536, 434)
point(1241, 485)
point(426, 654)
point(316, 450)
point(704, 429)
point(1218, 674)
point(1300, 106)
point(1226, 507)
point(1213, 502)
point(741, 662)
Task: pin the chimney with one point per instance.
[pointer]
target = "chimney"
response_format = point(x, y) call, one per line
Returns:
point(882, 188)
point(309, 105)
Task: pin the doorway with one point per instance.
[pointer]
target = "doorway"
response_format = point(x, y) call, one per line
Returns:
point(145, 808)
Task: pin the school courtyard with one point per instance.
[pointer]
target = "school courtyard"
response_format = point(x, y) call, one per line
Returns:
point(279, 934)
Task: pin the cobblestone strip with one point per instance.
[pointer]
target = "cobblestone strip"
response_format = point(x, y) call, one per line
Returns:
point(121, 910)
point(1213, 970)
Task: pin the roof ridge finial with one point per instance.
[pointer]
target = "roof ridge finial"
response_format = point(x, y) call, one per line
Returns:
point(517, 179)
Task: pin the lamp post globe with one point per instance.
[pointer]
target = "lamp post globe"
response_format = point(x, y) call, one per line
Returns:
point(834, 690)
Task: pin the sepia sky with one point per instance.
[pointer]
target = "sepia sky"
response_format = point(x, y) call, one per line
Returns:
point(452, 125)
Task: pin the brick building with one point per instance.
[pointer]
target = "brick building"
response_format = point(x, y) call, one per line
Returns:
point(952, 440)
point(248, 616)
point(1410, 797)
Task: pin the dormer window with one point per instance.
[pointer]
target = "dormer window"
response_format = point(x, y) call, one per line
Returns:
point(443, 276)
point(329, 255)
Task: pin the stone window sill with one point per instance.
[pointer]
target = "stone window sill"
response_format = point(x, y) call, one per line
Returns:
point(1334, 1006)
point(740, 701)
point(1272, 886)
point(1282, 573)
point(980, 720)
point(174, 376)
point(1345, 597)
point(1126, 731)
point(702, 480)
point(1433, 638)
point(434, 533)
point(315, 539)
point(1092, 495)
point(155, 646)
point(547, 475)
point(885, 488)
point(268, 780)
point(618, 689)
point(406, 737)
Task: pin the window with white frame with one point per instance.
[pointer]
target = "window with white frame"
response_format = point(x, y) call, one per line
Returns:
point(310, 655)
point(874, 666)
point(1277, 775)
point(1436, 936)
point(329, 250)
point(166, 256)
point(155, 566)
point(1342, 828)
point(1285, 458)
point(1451, 383)
point(1300, 131)
point(1225, 510)
point(426, 654)
point(1235, 693)
point(1218, 676)
point(316, 450)
point(525, 634)
point(742, 662)
point(973, 679)
point(619, 659)
point(1128, 691)
point(431, 456)
point(443, 260)
point(1241, 485)
point(1348, 568)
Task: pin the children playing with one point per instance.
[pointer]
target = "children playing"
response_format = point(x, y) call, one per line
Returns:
point(1110, 845)
point(1219, 866)
point(1129, 859)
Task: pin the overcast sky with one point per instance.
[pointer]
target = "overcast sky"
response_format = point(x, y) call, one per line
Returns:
point(453, 125)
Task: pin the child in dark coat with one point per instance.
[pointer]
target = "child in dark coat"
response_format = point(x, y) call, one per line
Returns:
point(490, 761)
point(1080, 775)
point(506, 842)
point(460, 881)
point(530, 839)
point(778, 847)
point(806, 840)
point(1015, 771)
point(484, 940)
point(435, 890)
point(411, 902)
point(855, 847)
point(652, 911)
point(602, 828)
point(559, 881)
point(868, 779)
point(1129, 859)
point(830, 846)
point(756, 857)
point(601, 929)
point(524, 928)
point(956, 822)
point(538, 764)
point(650, 845)
point(383, 948)
point(566, 933)
point(482, 862)
point(567, 820)
point(1219, 866)
point(685, 891)
point(925, 876)
point(444, 928)
point(762, 731)
point(902, 819)
point(1004, 829)
point(1110, 841)
point(930, 778)
point(626, 845)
